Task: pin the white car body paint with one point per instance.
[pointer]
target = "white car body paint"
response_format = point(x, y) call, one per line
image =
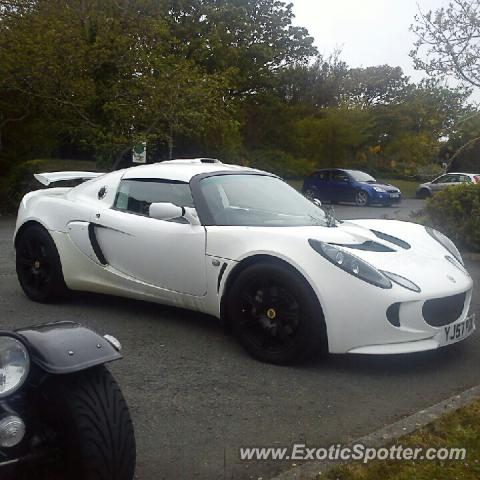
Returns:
point(179, 263)
point(49, 178)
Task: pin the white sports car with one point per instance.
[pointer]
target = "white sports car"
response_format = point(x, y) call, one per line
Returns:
point(242, 245)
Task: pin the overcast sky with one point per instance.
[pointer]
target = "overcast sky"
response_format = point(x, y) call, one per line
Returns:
point(369, 32)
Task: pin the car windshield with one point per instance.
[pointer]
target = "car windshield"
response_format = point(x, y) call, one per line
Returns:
point(361, 176)
point(258, 200)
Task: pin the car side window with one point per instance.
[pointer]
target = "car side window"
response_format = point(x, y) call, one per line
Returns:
point(464, 178)
point(450, 179)
point(339, 176)
point(322, 176)
point(136, 195)
point(442, 179)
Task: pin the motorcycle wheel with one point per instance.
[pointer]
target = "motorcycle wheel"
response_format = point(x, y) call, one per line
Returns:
point(93, 424)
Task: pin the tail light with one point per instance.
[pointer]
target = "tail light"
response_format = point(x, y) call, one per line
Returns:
point(476, 179)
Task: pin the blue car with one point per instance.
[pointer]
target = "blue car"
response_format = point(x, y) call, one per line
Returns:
point(338, 185)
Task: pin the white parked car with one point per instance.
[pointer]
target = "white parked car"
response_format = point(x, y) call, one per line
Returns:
point(242, 245)
point(442, 182)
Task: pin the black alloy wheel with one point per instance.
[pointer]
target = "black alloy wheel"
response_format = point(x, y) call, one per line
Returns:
point(275, 314)
point(38, 265)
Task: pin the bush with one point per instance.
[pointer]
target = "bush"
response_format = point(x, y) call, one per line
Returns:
point(456, 212)
point(280, 163)
point(20, 179)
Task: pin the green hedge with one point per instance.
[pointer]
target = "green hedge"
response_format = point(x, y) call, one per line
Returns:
point(282, 164)
point(20, 179)
point(456, 212)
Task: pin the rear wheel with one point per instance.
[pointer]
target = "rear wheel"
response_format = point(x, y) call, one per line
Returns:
point(38, 266)
point(361, 198)
point(93, 426)
point(275, 314)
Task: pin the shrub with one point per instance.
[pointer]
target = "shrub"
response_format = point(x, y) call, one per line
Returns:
point(282, 164)
point(456, 212)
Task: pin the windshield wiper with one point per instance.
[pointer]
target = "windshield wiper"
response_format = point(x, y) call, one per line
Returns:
point(330, 215)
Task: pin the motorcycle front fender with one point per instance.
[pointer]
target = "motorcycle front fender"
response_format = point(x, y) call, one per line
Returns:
point(66, 347)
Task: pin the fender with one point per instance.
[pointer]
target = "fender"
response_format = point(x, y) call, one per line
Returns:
point(66, 347)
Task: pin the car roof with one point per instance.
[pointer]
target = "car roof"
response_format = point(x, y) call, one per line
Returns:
point(333, 169)
point(182, 170)
point(461, 173)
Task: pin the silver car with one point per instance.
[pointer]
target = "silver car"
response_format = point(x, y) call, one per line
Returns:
point(444, 181)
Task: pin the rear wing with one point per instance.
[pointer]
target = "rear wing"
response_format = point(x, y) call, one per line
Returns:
point(48, 178)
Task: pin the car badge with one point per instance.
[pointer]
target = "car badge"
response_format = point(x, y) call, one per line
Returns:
point(451, 279)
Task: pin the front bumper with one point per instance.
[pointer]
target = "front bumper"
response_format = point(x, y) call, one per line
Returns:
point(355, 312)
point(386, 198)
point(446, 336)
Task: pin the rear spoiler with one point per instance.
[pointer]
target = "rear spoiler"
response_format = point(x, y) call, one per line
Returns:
point(48, 178)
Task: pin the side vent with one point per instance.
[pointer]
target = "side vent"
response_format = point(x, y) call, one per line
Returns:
point(220, 276)
point(95, 245)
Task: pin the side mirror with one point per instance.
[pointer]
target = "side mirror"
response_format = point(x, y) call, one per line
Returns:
point(165, 211)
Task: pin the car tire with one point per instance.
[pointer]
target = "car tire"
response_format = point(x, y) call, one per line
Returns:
point(362, 199)
point(423, 194)
point(38, 266)
point(94, 430)
point(310, 194)
point(275, 314)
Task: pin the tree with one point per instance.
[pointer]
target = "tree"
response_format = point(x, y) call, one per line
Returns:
point(252, 38)
point(333, 137)
point(448, 45)
point(314, 85)
point(447, 41)
point(372, 86)
point(114, 72)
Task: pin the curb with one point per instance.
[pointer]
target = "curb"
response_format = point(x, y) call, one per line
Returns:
point(311, 470)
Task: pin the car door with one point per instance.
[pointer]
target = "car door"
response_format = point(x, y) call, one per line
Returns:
point(441, 182)
point(341, 187)
point(321, 181)
point(167, 254)
point(464, 179)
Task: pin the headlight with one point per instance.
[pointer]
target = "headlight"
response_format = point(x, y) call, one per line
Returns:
point(351, 264)
point(14, 365)
point(445, 242)
point(457, 264)
point(402, 281)
point(379, 189)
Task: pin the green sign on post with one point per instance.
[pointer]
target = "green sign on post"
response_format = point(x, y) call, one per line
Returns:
point(139, 153)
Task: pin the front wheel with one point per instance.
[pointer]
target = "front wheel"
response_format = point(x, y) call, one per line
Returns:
point(423, 194)
point(275, 314)
point(92, 423)
point(361, 198)
point(310, 194)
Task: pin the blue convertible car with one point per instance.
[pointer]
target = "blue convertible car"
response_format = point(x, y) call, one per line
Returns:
point(338, 185)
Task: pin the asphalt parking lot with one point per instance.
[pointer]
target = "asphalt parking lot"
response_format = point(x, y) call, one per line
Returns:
point(196, 397)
